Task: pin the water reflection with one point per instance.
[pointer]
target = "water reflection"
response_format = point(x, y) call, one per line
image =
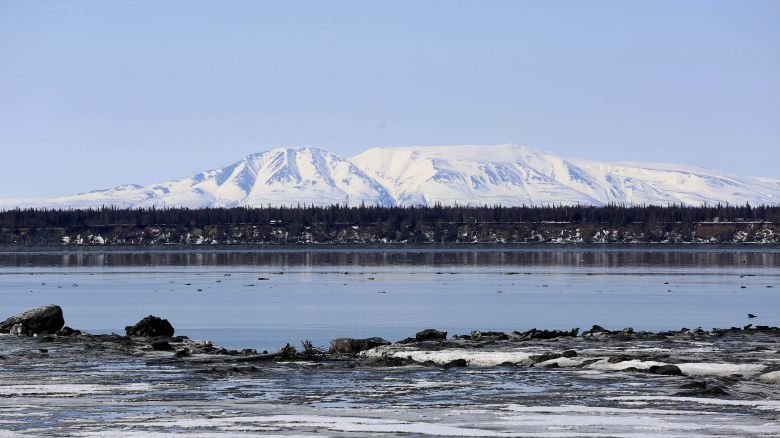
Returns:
point(604, 258)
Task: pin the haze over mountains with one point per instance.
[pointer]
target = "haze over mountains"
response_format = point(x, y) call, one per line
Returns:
point(466, 175)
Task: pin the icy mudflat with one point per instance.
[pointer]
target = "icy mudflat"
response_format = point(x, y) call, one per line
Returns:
point(487, 384)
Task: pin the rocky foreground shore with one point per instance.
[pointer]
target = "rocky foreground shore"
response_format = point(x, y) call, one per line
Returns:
point(59, 381)
point(733, 354)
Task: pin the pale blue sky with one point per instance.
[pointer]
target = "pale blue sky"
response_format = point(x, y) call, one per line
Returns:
point(100, 93)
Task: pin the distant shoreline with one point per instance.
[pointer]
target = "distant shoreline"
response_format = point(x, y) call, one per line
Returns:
point(377, 227)
point(448, 247)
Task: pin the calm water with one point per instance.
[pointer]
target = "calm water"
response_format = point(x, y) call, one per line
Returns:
point(320, 295)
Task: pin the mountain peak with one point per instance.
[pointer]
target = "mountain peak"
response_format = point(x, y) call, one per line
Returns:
point(504, 174)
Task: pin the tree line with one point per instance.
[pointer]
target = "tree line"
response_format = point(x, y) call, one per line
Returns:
point(393, 216)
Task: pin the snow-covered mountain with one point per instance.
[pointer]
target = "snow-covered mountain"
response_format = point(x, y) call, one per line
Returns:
point(282, 176)
point(517, 175)
point(475, 175)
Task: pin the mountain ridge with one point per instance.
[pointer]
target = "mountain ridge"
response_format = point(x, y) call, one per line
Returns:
point(504, 174)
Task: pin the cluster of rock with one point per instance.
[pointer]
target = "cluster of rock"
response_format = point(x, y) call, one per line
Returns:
point(150, 334)
point(154, 334)
point(49, 319)
point(628, 332)
point(353, 346)
point(519, 336)
point(350, 346)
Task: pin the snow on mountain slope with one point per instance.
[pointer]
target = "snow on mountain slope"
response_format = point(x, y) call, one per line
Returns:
point(282, 176)
point(289, 176)
point(517, 175)
point(467, 175)
point(504, 175)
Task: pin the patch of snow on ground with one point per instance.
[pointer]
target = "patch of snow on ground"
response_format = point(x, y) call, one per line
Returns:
point(604, 365)
point(719, 369)
point(689, 369)
point(773, 405)
point(70, 389)
point(442, 357)
point(773, 377)
point(333, 423)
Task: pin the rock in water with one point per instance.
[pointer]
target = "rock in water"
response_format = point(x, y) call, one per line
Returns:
point(596, 330)
point(46, 319)
point(430, 335)
point(666, 370)
point(150, 326)
point(354, 346)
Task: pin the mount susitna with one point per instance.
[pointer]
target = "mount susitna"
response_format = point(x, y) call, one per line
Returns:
point(466, 175)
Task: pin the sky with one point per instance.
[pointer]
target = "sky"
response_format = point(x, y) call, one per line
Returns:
point(95, 94)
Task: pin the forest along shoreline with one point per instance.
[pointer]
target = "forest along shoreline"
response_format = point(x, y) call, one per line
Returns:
point(713, 363)
point(378, 226)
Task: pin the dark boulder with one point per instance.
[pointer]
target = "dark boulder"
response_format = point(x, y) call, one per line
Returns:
point(162, 346)
point(596, 330)
point(430, 335)
point(456, 363)
point(710, 391)
point(67, 331)
point(666, 370)
point(354, 346)
point(546, 334)
point(695, 385)
point(494, 336)
point(387, 362)
point(701, 389)
point(150, 326)
point(46, 319)
point(544, 357)
point(620, 358)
